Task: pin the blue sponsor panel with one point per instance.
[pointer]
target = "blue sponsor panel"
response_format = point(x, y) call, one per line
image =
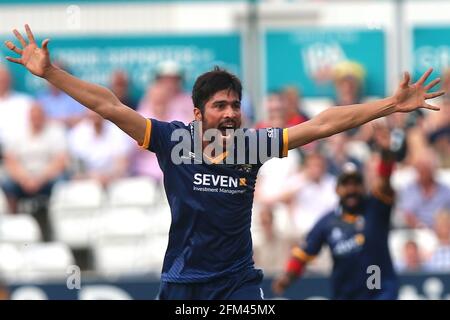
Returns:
point(306, 57)
point(95, 58)
point(414, 286)
point(431, 48)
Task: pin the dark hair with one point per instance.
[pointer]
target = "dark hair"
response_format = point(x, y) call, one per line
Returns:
point(212, 82)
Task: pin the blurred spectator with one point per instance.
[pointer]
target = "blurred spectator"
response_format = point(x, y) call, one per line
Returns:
point(349, 77)
point(440, 138)
point(169, 79)
point(273, 248)
point(311, 193)
point(438, 125)
point(34, 160)
point(14, 108)
point(420, 201)
point(348, 80)
point(60, 107)
point(411, 258)
point(273, 175)
point(338, 153)
point(276, 112)
point(247, 111)
point(120, 86)
point(99, 149)
point(440, 259)
point(165, 101)
point(292, 100)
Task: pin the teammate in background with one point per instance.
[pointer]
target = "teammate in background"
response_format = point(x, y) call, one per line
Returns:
point(357, 235)
point(209, 255)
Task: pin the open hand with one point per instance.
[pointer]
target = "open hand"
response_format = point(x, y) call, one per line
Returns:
point(35, 59)
point(409, 97)
point(280, 284)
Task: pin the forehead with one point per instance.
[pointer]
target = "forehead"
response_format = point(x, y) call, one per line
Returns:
point(224, 95)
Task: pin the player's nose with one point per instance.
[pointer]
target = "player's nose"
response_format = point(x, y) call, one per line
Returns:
point(229, 113)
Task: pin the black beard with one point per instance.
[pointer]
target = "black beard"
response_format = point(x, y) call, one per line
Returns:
point(357, 209)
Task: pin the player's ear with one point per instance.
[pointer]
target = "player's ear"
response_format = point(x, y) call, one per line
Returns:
point(198, 114)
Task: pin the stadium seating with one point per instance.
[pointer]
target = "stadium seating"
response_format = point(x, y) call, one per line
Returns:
point(75, 227)
point(77, 194)
point(425, 238)
point(35, 261)
point(74, 207)
point(11, 261)
point(127, 243)
point(19, 229)
point(46, 261)
point(132, 192)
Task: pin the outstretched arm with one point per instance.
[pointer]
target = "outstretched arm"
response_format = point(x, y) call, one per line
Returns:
point(294, 270)
point(408, 97)
point(97, 98)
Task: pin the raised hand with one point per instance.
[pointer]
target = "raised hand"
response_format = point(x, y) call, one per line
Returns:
point(409, 97)
point(35, 59)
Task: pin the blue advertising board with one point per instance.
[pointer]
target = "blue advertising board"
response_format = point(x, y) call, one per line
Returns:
point(299, 57)
point(431, 48)
point(413, 287)
point(95, 58)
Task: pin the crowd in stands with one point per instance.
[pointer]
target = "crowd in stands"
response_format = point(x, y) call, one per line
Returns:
point(49, 137)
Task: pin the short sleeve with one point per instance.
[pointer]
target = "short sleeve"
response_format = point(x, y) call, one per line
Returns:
point(315, 239)
point(158, 135)
point(272, 143)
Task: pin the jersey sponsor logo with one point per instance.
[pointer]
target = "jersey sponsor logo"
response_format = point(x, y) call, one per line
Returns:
point(336, 234)
point(244, 146)
point(348, 246)
point(209, 180)
point(219, 183)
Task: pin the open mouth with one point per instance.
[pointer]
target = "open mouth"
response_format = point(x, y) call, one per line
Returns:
point(227, 128)
point(352, 200)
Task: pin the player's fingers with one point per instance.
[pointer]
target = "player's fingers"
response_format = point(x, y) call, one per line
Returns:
point(20, 38)
point(425, 76)
point(45, 44)
point(432, 84)
point(29, 34)
point(406, 79)
point(15, 60)
point(434, 94)
point(11, 46)
point(431, 107)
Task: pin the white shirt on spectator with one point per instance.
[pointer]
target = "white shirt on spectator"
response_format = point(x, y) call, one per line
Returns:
point(14, 112)
point(313, 200)
point(35, 152)
point(440, 260)
point(98, 152)
point(274, 173)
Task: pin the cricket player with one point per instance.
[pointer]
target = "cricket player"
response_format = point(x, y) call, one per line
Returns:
point(210, 193)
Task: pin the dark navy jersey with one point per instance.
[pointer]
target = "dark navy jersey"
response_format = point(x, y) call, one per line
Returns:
point(211, 206)
point(356, 243)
